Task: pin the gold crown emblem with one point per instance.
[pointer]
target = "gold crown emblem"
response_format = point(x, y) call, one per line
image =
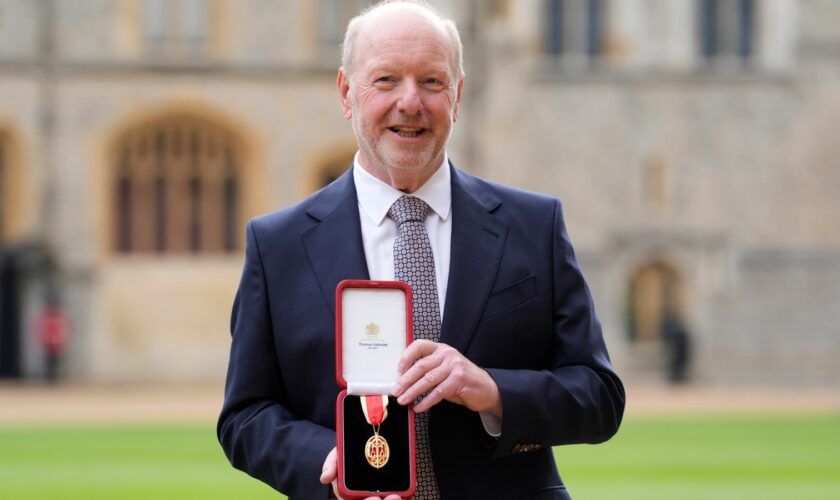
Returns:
point(372, 329)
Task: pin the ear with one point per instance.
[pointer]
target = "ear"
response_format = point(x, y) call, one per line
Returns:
point(343, 89)
point(457, 100)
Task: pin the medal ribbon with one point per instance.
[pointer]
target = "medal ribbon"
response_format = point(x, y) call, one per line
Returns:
point(375, 409)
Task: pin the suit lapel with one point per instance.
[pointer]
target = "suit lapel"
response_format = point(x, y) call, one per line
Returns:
point(478, 240)
point(335, 250)
point(334, 244)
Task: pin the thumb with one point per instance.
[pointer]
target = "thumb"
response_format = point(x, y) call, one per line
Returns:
point(328, 472)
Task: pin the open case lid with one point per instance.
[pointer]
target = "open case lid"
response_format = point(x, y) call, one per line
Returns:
point(373, 326)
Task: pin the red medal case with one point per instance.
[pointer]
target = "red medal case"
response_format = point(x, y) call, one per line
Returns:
point(373, 326)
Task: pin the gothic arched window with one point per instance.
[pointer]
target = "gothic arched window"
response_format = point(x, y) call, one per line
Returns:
point(177, 188)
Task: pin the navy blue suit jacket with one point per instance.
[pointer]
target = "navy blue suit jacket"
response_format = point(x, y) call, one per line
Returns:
point(517, 305)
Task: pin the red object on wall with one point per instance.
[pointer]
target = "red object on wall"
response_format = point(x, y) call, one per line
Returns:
point(53, 330)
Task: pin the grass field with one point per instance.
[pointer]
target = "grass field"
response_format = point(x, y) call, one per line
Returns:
point(710, 458)
point(673, 458)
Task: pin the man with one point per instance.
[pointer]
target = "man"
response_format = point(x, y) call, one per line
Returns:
point(517, 364)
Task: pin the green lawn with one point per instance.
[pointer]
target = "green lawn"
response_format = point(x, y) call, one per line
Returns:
point(673, 458)
point(119, 462)
point(710, 458)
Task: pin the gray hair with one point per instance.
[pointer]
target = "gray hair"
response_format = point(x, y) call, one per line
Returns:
point(355, 24)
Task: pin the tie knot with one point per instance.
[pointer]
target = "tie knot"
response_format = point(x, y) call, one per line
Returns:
point(408, 208)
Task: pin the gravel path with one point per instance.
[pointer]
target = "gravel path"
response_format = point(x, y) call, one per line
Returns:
point(41, 403)
point(73, 403)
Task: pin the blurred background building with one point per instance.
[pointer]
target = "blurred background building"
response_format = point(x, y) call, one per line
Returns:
point(694, 145)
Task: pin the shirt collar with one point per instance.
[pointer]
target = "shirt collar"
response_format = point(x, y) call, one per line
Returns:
point(376, 197)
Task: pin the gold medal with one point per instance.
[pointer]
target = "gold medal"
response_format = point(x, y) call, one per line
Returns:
point(377, 452)
point(375, 409)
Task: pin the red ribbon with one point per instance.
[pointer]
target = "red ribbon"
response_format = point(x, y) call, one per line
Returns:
point(374, 409)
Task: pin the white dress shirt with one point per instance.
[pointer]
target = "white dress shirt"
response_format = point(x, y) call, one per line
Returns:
point(379, 232)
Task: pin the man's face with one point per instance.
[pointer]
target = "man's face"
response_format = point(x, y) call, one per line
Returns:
point(402, 97)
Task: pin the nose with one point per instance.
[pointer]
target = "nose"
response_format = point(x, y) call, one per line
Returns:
point(409, 101)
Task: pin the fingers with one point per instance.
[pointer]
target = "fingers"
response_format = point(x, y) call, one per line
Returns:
point(433, 368)
point(422, 367)
point(417, 349)
point(423, 377)
point(330, 468)
point(447, 389)
point(443, 373)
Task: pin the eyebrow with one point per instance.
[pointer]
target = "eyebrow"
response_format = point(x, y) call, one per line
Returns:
point(444, 70)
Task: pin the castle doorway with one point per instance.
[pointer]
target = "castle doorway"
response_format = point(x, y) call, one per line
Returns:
point(656, 326)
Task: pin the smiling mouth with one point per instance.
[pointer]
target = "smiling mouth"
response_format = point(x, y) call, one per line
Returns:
point(407, 131)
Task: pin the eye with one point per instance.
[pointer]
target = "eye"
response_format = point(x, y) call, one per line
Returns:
point(385, 81)
point(433, 83)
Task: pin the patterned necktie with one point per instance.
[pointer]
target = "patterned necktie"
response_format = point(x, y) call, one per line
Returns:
point(415, 264)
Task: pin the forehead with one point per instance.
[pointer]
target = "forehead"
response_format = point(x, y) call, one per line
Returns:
point(409, 39)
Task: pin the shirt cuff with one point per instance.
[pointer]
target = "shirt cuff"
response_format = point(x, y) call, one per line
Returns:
point(492, 424)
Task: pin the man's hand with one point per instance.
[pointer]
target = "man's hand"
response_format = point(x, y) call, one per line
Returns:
point(329, 474)
point(444, 373)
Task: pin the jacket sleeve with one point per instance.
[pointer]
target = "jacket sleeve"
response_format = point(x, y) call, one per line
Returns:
point(258, 432)
point(579, 398)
